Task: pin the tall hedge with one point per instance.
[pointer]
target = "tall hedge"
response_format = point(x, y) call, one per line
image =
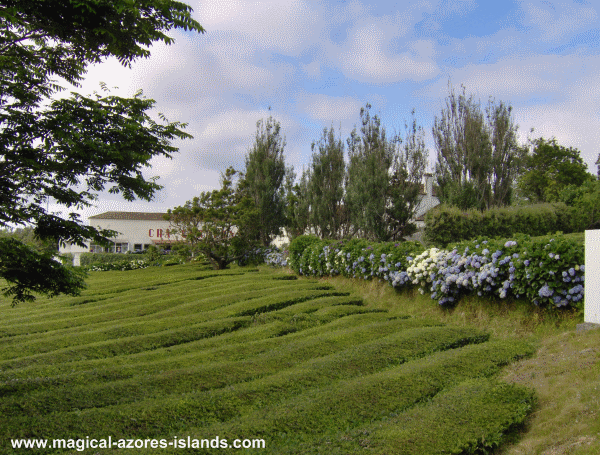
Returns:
point(444, 224)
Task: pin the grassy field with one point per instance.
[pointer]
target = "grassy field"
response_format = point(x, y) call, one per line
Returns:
point(564, 372)
point(309, 366)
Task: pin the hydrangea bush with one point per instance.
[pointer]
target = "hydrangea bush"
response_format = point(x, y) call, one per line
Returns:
point(269, 255)
point(356, 259)
point(277, 258)
point(544, 270)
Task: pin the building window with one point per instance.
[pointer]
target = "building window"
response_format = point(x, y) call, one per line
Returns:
point(121, 247)
point(96, 249)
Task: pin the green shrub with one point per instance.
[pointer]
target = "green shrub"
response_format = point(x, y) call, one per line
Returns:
point(152, 254)
point(104, 258)
point(444, 224)
point(492, 407)
point(297, 247)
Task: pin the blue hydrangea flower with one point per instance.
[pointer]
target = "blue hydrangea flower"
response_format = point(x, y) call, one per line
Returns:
point(545, 291)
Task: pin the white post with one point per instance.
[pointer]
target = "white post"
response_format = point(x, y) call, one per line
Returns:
point(592, 277)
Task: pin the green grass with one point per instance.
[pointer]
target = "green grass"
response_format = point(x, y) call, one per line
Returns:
point(310, 366)
point(564, 372)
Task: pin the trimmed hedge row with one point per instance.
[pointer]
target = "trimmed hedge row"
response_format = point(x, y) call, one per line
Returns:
point(398, 347)
point(547, 271)
point(445, 224)
point(493, 408)
point(381, 396)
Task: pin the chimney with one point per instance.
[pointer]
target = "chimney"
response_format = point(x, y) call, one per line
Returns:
point(429, 185)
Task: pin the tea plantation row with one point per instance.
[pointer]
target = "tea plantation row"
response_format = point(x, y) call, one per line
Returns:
point(247, 353)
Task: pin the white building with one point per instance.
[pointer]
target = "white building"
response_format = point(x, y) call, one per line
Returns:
point(427, 201)
point(136, 231)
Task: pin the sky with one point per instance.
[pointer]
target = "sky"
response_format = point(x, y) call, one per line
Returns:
point(314, 64)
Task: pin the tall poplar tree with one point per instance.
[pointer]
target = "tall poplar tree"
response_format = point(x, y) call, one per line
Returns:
point(297, 203)
point(371, 157)
point(264, 177)
point(410, 163)
point(507, 154)
point(326, 186)
point(384, 179)
point(477, 153)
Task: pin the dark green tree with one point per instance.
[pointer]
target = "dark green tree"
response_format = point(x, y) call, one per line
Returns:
point(71, 149)
point(384, 179)
point(507, 154)
point(371, 156)
point(297, 209)
point(586, 207)
point(463, 152)
point(410, 163)
point(550, 168)
point(326, 186)
point(27, 236)
point(219, 223)
point(264, 178)
point(477, 154)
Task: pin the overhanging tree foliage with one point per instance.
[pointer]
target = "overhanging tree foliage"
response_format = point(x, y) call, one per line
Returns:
point(71, 149)
point(27, 236)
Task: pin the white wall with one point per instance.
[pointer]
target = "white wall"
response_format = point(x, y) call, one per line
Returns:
point(137, 231)
point(131, 232)
point(592, 277)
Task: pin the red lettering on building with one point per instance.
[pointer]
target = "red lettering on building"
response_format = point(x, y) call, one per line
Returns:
point(150, 232)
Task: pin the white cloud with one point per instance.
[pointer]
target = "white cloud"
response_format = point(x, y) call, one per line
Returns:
point(368, 60)
point(313, 69)
point(277, 25)
point(332, 109)
point(558, 20)
point(237, 123)
point(234, 60)
point(517, 77)
point(225, 138)
point(567, 123)
point(512, 78)
point(574, 121)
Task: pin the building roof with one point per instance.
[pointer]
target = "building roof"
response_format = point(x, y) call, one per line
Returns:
point(134, 216)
